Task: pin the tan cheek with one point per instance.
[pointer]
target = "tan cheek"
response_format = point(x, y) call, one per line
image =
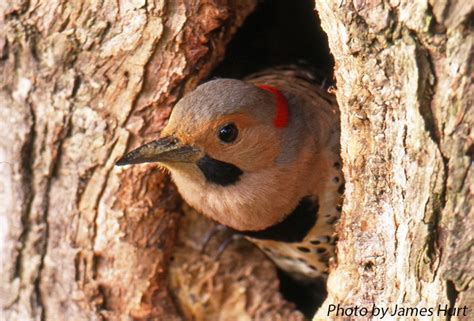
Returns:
point(260, 152)
point(256, 150)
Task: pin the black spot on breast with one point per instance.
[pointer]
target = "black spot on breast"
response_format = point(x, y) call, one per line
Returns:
point(315, 242)
point(341, 189)
point(335, 179)
point(320, 250)
point(332, 220)
point(294, 227)
point(303, 249)
point(218, 172)
point(337, 165)
point(324, 258)
point(333, 240)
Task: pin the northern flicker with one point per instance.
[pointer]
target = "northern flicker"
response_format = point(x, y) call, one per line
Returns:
point(262, 157)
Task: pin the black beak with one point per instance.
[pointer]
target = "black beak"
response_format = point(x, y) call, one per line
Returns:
point(165, 150)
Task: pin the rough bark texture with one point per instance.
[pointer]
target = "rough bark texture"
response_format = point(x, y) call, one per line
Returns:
point(82, 82)
point(404, 85)
point(240, 284)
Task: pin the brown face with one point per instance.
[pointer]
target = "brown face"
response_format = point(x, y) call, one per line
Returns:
point(229, 107)
point(225, 120)
point(236, 139)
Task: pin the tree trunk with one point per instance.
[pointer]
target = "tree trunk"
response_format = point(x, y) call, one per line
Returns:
point(404, 86)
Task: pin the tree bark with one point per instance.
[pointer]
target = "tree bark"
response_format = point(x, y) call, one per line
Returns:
point(404, 86)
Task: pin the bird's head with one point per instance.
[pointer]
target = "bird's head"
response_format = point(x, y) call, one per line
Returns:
point(222, 146)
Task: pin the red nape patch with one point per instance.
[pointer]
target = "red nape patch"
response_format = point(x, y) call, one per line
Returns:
point(282, 114)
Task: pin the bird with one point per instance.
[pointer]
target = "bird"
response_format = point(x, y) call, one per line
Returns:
point(261, 156)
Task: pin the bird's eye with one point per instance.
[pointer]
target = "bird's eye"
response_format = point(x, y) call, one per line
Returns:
point(228, 133)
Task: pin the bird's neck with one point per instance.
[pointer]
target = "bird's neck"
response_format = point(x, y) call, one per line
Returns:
point(256, 201)
point(294, 227)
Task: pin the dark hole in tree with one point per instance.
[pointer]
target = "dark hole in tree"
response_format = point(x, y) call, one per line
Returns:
point(307, 297)
point(282, 32)
point(278, 32)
